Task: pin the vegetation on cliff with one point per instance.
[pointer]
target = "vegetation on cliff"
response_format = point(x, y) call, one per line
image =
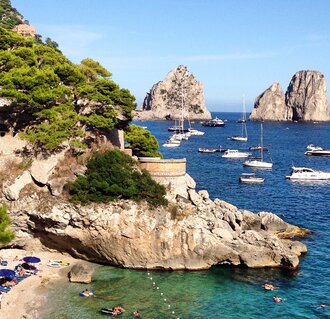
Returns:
point(6, 235)
point(113, 175)
point(142, 142)
point(9, 15)
point(46, 90)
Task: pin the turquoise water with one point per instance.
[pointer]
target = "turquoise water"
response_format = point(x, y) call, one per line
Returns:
point(229, 292)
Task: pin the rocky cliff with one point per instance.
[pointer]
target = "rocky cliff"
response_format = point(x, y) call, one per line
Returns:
point(305, 100)
point(180, 94)
point(270, 105)
point(194, 232)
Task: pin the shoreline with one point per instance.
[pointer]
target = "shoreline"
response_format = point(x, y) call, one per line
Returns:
point(27, 299)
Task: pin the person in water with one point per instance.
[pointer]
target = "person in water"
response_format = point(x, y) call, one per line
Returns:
point(87, 293)
point(269, 287)
point(117, 310)
point(136, 314)
point(277, 299)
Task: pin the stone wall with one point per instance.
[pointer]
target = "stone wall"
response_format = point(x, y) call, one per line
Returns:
point(169, 172)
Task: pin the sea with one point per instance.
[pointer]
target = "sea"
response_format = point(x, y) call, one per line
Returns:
point(227, 291)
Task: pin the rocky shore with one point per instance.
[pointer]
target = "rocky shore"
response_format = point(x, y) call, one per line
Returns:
point(192, 233)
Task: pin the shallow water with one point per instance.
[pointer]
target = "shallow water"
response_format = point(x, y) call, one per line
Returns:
point(229, 292)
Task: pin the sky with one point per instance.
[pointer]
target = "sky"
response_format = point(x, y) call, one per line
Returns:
point(235, 48)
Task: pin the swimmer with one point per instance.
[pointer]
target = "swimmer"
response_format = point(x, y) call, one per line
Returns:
point(136, 314)
point(277, 299)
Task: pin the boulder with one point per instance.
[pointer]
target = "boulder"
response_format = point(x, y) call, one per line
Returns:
point(190, 182)
point(166, 98)
point(41, 170)
point(195, 197)
point(272, 222)
point(13, 190)
point(81, 272)
point(204, 194)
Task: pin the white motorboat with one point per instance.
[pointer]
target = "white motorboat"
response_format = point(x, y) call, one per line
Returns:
point(259, 163)
point(305, 173)
point(207, 150)
point(318, 153)
point(170, 143)
point(216, 122)
point(251, 178)
point(312, 147)
point(193, 131)
point(235, 154)
point(244, 136)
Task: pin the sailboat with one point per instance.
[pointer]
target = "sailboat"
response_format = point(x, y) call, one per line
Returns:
point(243, 137)
point(259, 163)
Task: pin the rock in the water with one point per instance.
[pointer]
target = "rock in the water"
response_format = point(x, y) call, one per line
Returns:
point(270, 105)
point(81, 272)
point(304, 100)
point(307, 96)
point(180, 89)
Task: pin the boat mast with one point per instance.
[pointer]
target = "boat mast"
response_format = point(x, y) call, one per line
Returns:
point(244, 130)
point(261, 143)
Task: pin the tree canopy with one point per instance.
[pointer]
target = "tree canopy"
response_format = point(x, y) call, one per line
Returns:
point(46, 87)
point(141, 141)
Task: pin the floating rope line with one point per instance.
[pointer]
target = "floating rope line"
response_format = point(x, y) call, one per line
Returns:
point(162, 295)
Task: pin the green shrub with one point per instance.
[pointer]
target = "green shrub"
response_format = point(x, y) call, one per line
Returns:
point(6, 235)
point(113, 175)
point(142, 142)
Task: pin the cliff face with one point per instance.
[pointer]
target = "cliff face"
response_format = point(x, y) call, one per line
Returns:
point(307, 96)
point(270, 105)
point(194, 232)
point(180, 94)
point(304, 100)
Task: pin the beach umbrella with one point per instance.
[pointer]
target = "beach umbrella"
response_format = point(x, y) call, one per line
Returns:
point(31, 259)
point(7, 273)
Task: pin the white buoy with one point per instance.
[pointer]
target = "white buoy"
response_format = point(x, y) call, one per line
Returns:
point(161, 294)
point(148, 273)
point(173, 312)
point(157, 287)
point(164, 299)
point(150, 278)
point(169, 306)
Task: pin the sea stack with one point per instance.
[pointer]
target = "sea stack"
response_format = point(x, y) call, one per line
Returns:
point(304, 100)
point(178, 95)
point(270, 105)
point(307, 96)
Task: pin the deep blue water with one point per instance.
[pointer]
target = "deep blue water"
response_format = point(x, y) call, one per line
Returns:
point(229, 292)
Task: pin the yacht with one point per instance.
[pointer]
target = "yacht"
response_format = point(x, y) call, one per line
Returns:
point(235, 154)
point(312, 147)
point(207, 150)
point(251, 178)
point(214, 122)
point(193, 131)
point(305, 173)
point(244, 136)
point(259, 163)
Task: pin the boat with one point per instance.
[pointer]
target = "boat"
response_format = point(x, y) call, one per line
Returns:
point(318, 152)
point(216, 122)
point(251, 178)
point(312, 147)
point(306, 173)
point(258, 148)
point(235, 154)
point(171, 143)
point(207, 150)
point(244, 136)
point(193, 131)
point(259, 162)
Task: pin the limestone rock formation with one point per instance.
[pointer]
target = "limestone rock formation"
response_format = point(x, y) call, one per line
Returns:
point(305, 100)
point(270, 105)
point(194, 233)
point(166, 98)
point(307, 96)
